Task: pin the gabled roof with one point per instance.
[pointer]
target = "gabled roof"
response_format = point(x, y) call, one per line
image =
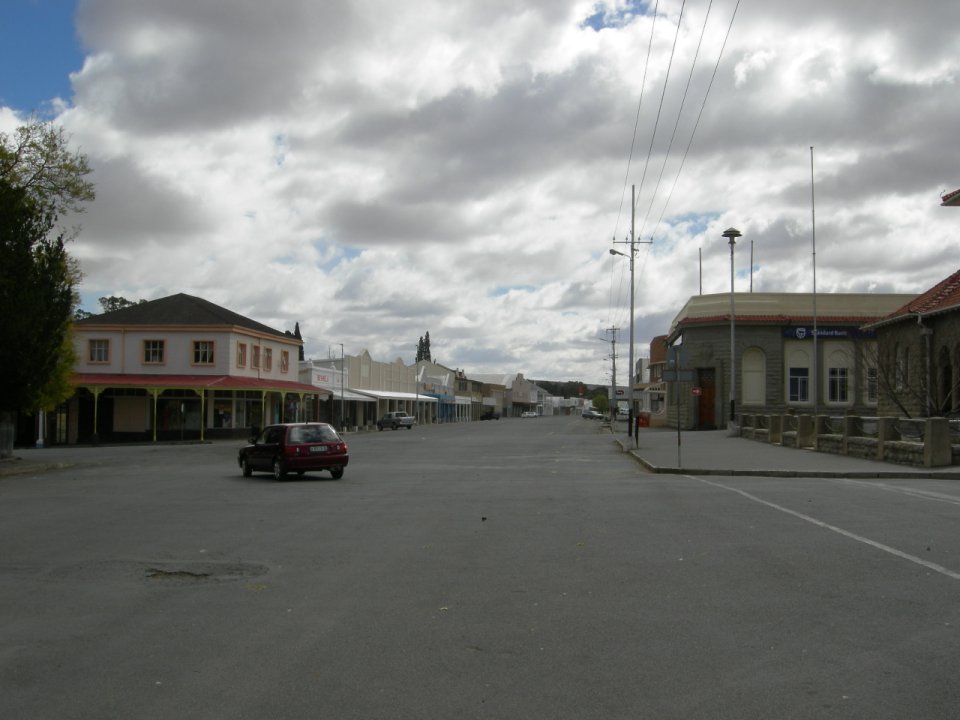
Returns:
point(179, 309)
point(951, 198)
point(941, 298)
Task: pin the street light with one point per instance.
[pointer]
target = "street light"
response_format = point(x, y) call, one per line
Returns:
point(732, 234)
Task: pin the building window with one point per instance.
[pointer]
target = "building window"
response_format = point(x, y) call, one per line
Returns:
point(255, 358)
point(873, 385)
point(902, 369)
point(241, 355)
point(268, 359)
point(153, 352)
point(799, 384)
point(837, 380)
point(99, 351)
point(203, 352)
point(284, 361)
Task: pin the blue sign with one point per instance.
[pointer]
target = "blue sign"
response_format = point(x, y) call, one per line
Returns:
point(805, 332)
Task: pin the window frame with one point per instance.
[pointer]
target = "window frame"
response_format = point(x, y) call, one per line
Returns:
point(154, 344)
point(803, 383)
point(838, 385)
point(211, 348)
point(94, 342)
point(241, 354)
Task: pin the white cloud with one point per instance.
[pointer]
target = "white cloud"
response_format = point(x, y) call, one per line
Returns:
point(376, 170)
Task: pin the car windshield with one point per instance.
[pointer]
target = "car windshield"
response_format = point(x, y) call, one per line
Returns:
point(311, 434)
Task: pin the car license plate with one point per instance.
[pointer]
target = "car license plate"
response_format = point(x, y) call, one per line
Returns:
point(318, 448)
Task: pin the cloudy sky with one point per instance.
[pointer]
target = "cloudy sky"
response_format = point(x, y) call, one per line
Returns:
point(374, 170)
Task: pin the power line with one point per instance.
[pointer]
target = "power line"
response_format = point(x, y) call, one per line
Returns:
point(696, 125)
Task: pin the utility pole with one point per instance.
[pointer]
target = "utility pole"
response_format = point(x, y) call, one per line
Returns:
point(633, 286)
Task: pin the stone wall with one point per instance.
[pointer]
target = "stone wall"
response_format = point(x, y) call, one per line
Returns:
point(926, 442)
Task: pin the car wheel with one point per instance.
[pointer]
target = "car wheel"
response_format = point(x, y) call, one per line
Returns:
point(247, 470)
point(396, 427)
point(409, 427)
point(278, 472)
point(337, 473)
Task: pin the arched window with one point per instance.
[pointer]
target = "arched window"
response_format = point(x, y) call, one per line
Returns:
point(754, 377)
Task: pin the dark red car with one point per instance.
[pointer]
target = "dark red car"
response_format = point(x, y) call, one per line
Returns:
point(295, 447)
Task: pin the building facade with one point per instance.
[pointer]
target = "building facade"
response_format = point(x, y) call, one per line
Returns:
point(787, 359)
point(178, 368)
point(918, 358)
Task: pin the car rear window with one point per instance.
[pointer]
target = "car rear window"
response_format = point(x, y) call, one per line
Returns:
point(314, 434)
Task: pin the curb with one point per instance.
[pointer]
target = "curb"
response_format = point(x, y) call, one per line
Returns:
point(851, 474)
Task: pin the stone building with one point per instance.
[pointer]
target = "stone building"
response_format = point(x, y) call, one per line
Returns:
point(918, 358)
point(781, 364)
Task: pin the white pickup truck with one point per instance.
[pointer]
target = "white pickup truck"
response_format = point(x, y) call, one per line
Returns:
point(395, 420)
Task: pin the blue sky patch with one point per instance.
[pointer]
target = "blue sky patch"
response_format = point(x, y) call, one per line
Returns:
point(39, 34)
point(505, 289)
point(605, 16)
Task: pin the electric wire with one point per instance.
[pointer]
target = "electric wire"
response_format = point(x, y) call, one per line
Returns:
point(676, 125)
point(633, 142)
point(673, 135)
point(696, 125)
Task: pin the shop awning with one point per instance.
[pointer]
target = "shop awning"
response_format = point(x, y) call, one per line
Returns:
point(392, 395)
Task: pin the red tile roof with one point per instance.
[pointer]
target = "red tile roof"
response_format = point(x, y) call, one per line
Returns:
point(951, 198)
point(942, 297)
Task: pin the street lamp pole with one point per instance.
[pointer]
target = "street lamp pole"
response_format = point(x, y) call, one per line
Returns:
point(732, 234)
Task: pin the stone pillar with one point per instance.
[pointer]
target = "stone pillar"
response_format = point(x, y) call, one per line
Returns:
point(936, 443)
point(775, 436)
point(806, 431)
point(886, 431)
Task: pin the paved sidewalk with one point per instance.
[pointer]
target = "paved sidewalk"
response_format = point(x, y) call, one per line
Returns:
point(715, 452)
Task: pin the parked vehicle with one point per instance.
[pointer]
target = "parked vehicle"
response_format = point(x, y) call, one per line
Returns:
point(395, 421)
point(591, 415)
point(490, 415)
point(295, 447)
point(528, 413)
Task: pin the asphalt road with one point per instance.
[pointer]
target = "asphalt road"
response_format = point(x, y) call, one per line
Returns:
point(506, 569)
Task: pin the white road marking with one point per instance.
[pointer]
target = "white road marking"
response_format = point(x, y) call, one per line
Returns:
point(922, 494)
point(819, 523)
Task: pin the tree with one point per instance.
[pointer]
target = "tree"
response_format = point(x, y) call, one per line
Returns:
point(601, 402)
point(36, 294)
point(115, 302)
point(423, 348)
point(36, 158)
